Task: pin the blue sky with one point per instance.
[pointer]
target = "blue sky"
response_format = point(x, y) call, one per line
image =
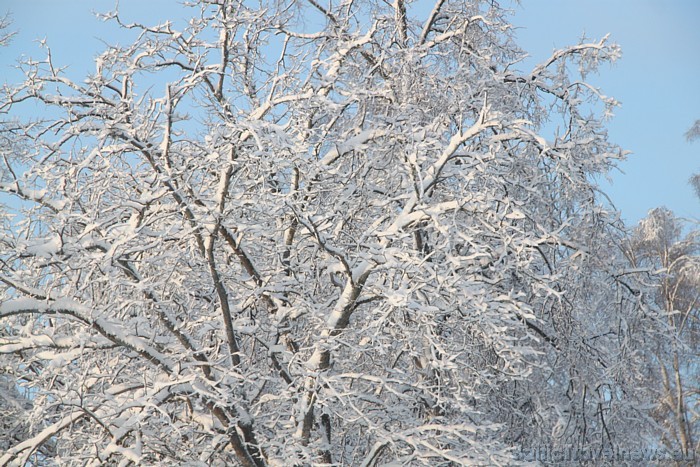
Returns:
point(656, 80)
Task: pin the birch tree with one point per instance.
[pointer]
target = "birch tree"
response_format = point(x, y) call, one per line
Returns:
point(660, 243)
point(306, 233)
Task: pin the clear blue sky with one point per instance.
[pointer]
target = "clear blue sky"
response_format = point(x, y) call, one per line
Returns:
point(656, 80)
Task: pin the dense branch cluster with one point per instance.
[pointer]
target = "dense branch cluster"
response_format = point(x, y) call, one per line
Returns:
point(299, 233)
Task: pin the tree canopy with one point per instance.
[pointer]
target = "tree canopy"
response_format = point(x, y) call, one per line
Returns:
point(295, 233)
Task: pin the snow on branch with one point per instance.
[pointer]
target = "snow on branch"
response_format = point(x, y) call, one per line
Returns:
point(111, 330)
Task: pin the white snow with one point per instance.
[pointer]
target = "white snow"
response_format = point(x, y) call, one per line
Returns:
point(46, 247)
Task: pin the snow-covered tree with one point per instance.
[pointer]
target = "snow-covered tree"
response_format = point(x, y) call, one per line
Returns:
point(660, 244)
point(294, 233)
point(693, 134)
point(14, 405)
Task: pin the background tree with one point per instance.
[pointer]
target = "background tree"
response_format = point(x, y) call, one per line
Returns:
point(296, 233)
point(692, 135)
point(663, 243)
